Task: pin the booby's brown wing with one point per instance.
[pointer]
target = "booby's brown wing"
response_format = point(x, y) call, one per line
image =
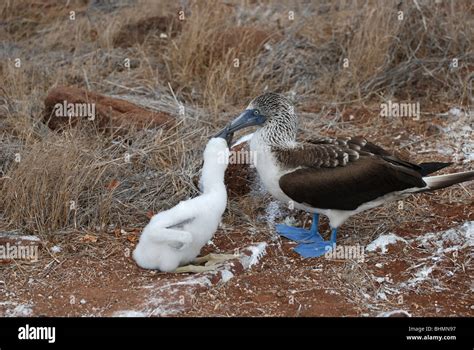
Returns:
point(343, 173)
point(363, 147)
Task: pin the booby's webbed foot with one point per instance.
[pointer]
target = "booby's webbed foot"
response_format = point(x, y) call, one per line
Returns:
point(211, 262)
point(313, 250)
point(317, 249)
point(214, 259)
point(300, 234)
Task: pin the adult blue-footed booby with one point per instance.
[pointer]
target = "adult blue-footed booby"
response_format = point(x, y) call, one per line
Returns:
point(336, 177)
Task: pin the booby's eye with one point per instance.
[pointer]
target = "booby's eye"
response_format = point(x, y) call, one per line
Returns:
point(256, 112)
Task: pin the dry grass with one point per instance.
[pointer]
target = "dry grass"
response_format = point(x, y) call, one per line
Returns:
point(88, 180)
point(304, 57)
point(213, 58)
point(408, 58)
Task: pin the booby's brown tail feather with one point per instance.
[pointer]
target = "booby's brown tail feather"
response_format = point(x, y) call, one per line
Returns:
point(431, 167)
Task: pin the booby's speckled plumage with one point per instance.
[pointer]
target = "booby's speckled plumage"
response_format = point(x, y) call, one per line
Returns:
point(337, 177)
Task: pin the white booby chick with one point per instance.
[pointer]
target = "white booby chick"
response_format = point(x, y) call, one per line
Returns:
point(175, 237)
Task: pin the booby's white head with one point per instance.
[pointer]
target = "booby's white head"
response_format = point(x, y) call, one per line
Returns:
point(274, 114)
point(216, 159)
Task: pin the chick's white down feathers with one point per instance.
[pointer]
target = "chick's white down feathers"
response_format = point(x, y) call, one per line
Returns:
point(175, 237)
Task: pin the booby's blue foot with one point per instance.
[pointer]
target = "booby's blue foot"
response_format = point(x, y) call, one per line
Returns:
point(317, 249)
point(299, 234)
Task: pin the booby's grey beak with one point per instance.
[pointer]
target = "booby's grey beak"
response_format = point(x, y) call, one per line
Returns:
point(249, 117)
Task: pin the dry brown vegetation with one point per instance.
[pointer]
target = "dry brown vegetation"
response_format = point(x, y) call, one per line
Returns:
point(338, 61)
point(408, 59)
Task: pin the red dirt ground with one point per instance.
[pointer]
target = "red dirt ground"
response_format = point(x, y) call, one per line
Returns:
point(97, 278)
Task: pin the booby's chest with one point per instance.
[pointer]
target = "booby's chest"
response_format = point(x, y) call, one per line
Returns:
point(271, 170)
point(267, 167)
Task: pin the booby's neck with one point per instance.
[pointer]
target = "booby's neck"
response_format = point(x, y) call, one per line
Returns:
point(216, 160)
point(212, 178)
point(280, 132)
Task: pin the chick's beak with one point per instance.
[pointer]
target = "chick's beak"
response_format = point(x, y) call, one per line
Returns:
point(225, 134)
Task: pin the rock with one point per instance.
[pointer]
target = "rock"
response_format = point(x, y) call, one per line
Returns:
point(109, 113)
point(136, 33)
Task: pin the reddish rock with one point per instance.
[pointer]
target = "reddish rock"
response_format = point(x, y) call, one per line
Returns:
point(110, 113)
